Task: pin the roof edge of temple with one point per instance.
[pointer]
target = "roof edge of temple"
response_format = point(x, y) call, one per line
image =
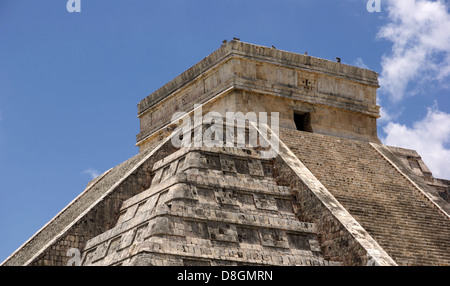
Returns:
point(237, 48)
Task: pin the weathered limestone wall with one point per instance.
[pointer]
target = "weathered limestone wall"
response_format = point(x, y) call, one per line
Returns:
point(324, 119)
point(198, 91)
point(341, 98)
point(445, 191)
point(209, 206)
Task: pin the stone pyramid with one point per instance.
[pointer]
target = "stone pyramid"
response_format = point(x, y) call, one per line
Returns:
point(329, 194)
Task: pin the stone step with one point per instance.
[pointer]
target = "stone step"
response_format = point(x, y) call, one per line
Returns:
point(407, 217)
point(204, 250)
point(402, 220)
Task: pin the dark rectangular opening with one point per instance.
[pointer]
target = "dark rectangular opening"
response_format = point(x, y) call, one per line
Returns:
point(303, 121)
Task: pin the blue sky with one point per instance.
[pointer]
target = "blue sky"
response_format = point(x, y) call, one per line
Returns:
point(70, 82)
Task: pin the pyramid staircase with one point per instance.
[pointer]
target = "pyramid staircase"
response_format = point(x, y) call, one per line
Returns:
point(411, 229)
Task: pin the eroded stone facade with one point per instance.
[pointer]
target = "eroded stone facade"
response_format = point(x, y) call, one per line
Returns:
point(340, 99)
point(332, 194)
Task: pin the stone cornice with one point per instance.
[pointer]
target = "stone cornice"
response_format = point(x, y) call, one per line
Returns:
point(236, 49)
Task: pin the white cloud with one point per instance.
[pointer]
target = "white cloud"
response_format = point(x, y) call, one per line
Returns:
point(420, 33)
point(91, 172)
point(430, 137)
point(360, 63)
point(386, 116)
